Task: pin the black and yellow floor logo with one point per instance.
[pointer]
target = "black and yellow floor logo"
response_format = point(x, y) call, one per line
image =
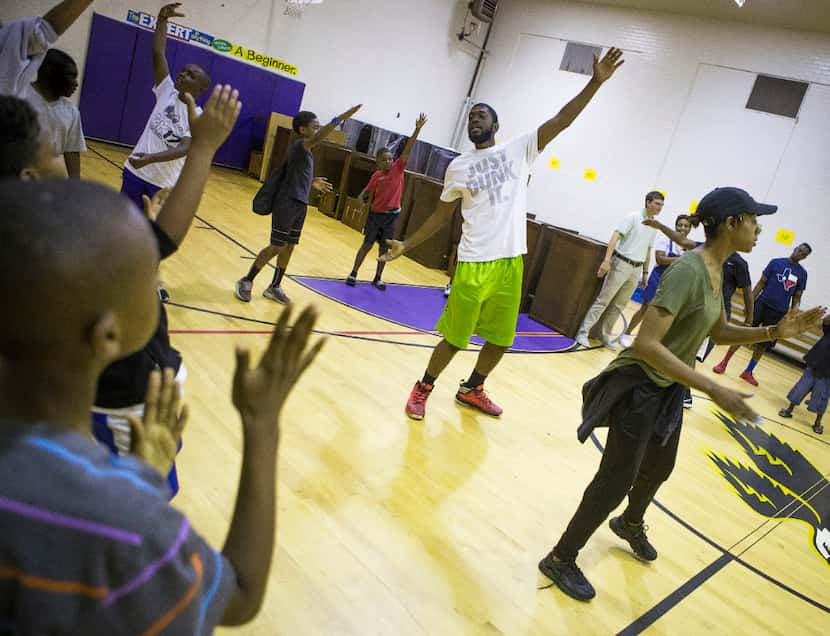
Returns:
point(780, 483)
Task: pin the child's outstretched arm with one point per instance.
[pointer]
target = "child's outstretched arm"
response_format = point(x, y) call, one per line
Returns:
point(160, 68)
point(410, 143)
point(259, 394)
point(325, 130)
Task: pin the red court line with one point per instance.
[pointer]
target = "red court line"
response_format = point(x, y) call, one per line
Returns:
point(538, 334)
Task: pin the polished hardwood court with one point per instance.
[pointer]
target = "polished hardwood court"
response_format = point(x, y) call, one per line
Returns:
point(394, 527)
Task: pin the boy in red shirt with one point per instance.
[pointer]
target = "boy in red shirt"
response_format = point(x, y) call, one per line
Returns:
point(386, 188)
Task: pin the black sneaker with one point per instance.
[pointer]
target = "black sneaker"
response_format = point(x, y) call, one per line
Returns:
point(636, 537)
point(785, 413)
point(818, 428)
point(351, 281)
point(688, 403)
point(568, 577)
point(379, 284)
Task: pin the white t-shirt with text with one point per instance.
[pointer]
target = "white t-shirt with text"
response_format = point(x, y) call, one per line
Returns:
point(167, 126)
point(492, 186)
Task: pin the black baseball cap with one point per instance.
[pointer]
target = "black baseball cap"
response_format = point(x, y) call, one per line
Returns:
point(721, 203)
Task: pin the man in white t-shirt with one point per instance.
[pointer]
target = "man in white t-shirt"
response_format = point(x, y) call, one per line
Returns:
point(23, 44)
point(57, 80)
point(491, 182)
point(158, 158)
point(629, 251)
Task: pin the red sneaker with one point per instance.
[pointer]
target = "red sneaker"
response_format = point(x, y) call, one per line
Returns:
point(720, 368)
point(748, 377)
point(416, 404)
point(478, 399)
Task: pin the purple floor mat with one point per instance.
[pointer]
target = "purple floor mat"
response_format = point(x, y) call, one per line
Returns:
point(420, 307)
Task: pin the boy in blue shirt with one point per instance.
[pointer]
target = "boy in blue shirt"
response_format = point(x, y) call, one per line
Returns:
point(778, 292)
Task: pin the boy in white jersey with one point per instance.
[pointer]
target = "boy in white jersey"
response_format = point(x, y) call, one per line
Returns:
point(158, 158)
point(491, 182)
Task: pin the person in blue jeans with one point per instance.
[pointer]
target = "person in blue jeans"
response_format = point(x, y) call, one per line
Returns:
point(815, 380)
point(777, 293)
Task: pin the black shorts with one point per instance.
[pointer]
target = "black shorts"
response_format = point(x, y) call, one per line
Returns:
point(764, 316)
point(287, 221)
point(380, 227)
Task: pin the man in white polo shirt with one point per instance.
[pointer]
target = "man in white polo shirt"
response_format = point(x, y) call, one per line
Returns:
point(629, 252)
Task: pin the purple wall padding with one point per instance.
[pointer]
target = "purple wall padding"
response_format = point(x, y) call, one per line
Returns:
point(117, 96)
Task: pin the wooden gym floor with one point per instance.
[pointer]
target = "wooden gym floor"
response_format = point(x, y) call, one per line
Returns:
point(388, 526)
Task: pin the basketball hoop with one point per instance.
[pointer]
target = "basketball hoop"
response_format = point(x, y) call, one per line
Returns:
point(296, 8)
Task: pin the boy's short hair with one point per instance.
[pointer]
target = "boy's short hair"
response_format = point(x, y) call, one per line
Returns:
point(303, 118)
point(682, 217)
point(654, 194)
point(19, 136)
point(54, 61)
point(384, 151)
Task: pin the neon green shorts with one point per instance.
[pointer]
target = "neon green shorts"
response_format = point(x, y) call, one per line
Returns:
point(484, 300)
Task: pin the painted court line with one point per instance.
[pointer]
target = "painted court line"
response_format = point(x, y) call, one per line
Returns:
point(673, 599)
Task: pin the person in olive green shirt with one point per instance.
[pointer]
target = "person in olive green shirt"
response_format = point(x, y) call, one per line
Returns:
point(639, 396)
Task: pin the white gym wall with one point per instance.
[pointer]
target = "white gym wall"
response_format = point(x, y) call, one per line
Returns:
point(391, 55)
point(674, 118)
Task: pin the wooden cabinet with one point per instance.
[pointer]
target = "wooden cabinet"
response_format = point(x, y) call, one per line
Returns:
point(568, 283)
point(424, 196)
point(332, 162)
point(354, 213)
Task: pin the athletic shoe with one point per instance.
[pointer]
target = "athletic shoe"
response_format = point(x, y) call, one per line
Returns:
point(447, 290)
point(276, 293)
point(416, 404)
point(582, 340)
point(748, 377)
point(626, 341)
point(379, 284)
point(164, 296)
point(243, 290)
point(818, 429)
point(687, 403)
point(609, 345)
point(785, 413)
point(568, 577)
point(720, 367)
point(351, 281)
point(636, 537)
point(477, 399)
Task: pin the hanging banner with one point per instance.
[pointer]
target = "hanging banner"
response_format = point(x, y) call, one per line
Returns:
point(189, 34)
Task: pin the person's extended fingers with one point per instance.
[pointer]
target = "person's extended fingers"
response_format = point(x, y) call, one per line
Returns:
point(151, 398)
point(276, 344)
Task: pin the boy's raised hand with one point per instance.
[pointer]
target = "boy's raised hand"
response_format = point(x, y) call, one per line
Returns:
point(156, 435)
point(419, 123)
point(259, 393)
point(218, 118)
point(350, 113)
point(170, 11)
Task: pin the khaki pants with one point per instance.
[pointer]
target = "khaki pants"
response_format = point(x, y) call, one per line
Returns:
point(619, 284)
